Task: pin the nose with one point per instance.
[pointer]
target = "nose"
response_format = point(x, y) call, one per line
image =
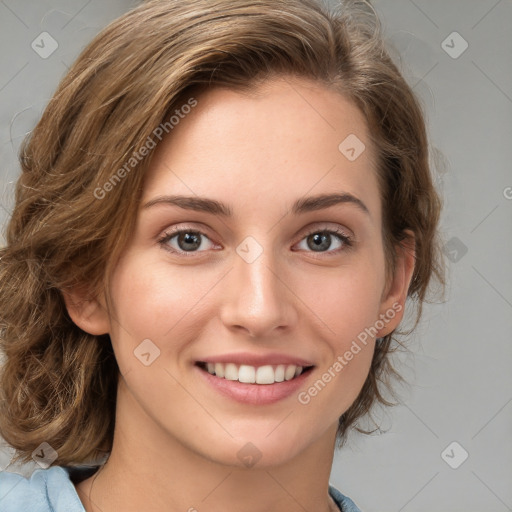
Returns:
point(257, 297)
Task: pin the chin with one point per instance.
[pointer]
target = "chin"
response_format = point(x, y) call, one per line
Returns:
point(259, 450)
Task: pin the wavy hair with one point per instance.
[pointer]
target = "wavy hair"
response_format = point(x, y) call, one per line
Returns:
point(58, 384)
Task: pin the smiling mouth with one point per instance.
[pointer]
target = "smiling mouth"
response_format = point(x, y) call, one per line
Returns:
point(247, 374)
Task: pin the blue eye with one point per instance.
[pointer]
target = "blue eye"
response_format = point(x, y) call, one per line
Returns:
point(322, 240)
point(189, 241)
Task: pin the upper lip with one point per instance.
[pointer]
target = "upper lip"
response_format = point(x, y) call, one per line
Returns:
point(240, 358)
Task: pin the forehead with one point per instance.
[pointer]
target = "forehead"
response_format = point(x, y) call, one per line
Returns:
point(286, 137)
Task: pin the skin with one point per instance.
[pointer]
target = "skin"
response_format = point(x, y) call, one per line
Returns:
point(176, 439)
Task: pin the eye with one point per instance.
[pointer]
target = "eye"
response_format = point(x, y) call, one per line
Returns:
point(321, 240)
point(187, 240)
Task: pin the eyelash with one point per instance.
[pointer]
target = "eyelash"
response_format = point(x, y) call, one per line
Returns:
point(167, 237)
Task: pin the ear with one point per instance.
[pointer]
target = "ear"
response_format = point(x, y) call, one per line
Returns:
point(393, 298)
point(87, 312)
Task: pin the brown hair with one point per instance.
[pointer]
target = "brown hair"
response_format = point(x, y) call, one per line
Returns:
point(58, 383)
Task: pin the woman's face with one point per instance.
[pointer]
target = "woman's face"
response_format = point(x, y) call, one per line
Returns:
point(273, 276)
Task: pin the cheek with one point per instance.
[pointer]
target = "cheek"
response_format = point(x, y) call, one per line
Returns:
point(142, 307)
point(344, 302)
point(149, 297)
point(344, 309)
point(153, 301)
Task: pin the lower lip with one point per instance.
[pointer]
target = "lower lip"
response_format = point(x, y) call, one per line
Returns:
point(255, 394)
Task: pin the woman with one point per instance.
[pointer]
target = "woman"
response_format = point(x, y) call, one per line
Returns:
point(220, 217)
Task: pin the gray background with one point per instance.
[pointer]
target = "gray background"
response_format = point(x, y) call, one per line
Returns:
point(458, 366)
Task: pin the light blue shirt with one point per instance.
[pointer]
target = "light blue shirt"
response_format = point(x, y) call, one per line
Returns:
point(52, 490)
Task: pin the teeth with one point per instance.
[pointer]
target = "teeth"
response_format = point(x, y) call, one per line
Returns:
point(254, 375)
point(219, 369)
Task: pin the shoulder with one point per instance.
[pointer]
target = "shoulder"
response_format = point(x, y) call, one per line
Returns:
point(47, 490)
point(344, 503)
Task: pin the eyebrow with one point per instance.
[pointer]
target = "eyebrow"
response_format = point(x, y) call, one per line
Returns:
point(301, 206)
